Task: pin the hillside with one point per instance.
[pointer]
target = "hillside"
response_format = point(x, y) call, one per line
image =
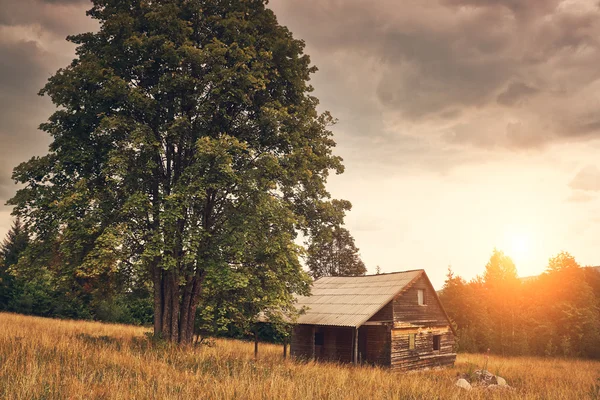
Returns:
point(52, 359)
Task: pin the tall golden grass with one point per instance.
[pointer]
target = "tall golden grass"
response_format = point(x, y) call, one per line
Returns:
point(52, 359)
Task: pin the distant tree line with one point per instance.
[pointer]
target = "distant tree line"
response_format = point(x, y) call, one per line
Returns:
point(57, 290)
point(554, 314)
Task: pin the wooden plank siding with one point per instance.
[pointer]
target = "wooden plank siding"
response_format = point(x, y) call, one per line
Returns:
point(386, 314)
point(424, 321)
point(423, 356)
point(408, 312)
point(384, 338)
point(374, 344)
point(337, 343)
point(302, 342)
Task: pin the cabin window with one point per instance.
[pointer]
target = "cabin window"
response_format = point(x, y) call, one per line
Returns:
point(319, 338)
point(421, 297)
point(411, 341)
point(437, 342)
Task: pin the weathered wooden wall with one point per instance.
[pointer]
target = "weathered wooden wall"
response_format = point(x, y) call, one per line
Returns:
point(374, 344)
point(425, 321)
point(408, 312)
point(337, 343)
point(423, 356)
point(385, 314)
point(301, 345)
point(384, 339)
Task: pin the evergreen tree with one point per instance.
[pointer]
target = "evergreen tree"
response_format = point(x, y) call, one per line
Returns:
point(556, 313)
point(502, 288)
point(571, 306)
point(333, 253)
point(500, 271)
point(11, 249)
point(15, 243)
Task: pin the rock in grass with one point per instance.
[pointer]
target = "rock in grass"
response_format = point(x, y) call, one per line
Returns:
point(498, 388)
point(463, 384)
point(501, 381)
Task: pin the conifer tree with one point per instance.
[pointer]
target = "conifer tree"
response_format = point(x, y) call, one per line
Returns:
point(11, 249)
point(333, 253)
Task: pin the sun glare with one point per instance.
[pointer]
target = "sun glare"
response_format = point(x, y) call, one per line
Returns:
point(519, 245)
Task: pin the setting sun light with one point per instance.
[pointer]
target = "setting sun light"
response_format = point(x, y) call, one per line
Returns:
point(518, 243)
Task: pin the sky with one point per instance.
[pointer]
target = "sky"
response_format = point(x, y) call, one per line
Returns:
point(464, 125)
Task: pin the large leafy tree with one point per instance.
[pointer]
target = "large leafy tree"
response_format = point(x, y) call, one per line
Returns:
point(187, 147)
point(332, 252)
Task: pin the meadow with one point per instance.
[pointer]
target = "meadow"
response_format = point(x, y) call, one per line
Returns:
point(60, 359)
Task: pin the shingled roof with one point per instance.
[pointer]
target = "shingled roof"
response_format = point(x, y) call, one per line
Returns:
point(351, 301)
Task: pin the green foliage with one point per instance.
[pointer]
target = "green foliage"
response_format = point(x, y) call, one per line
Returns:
point(187, 151)
point(45, 290)
point(11, 249)
point(555, 314)
point(126, 308)
point(332, 252)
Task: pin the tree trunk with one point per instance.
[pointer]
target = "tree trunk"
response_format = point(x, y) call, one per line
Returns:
point(158, 301)
point(175, 306)
point(184, 312)
point(194, 300)
point(166, 306)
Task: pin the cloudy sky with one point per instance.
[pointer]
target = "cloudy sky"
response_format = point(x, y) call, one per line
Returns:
point(464, 124)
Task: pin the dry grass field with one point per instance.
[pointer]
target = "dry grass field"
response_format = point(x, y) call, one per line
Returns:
point(52, 359)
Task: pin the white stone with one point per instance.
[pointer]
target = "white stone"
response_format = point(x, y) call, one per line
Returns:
point(500, 388)
point(463, 384)
point(501, 381)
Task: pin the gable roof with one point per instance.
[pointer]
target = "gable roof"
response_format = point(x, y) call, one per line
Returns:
point(351, 301)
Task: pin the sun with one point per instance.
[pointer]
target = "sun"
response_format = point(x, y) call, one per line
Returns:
point(519, 245)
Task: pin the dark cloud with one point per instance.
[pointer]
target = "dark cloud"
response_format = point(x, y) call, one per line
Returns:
point(47, 17)
point(587, 178)
point(431, 78)
point(23, 71)
point(22, 68)
point(517, 69)
point(32, 48)
point(515, 93)
point(67, 1)
point(7, 186)
point(521, 9)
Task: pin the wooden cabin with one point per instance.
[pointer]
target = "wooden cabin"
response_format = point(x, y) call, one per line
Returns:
point(394, 320)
